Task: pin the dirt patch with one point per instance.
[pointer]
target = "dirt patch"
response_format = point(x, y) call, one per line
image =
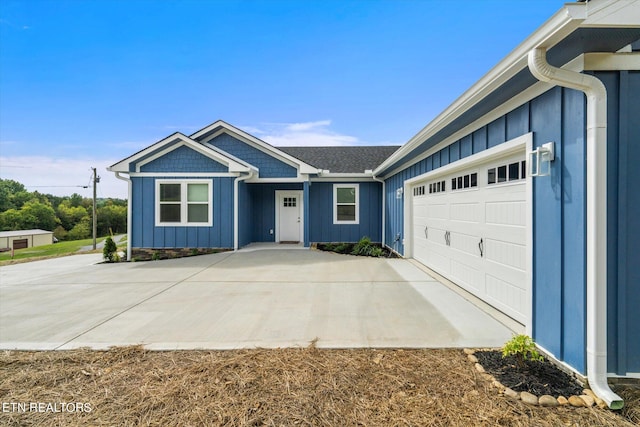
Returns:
point(132, 386)
point(537, 378)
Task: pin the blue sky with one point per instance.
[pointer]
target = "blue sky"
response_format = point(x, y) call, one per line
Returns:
point(87, 83)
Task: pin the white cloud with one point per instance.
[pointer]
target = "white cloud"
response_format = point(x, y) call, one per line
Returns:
point(316, 133)
point(62, 177)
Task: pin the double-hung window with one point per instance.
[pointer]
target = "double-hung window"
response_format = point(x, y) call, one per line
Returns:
point(183, 203)
point(346, 204)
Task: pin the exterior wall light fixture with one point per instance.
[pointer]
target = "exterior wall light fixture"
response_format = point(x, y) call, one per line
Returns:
point(399, 192)
point(540, 160)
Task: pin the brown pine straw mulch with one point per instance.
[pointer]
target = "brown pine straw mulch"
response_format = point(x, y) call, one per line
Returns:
point(130, 386)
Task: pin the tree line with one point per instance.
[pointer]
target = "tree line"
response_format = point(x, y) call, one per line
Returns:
point(69, 217)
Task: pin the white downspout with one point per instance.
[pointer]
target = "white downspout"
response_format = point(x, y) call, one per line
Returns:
point(235, 207)
point(596, 94)
point(129, 237)
point(384, 213)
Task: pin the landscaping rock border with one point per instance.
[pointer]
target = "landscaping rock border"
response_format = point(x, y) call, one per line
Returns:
point(586, 399)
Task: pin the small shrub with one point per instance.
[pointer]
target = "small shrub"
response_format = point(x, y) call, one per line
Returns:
point(522, 348)
point(194, 251)
point(376, 252)
point(364, 247)
point(329, 247)
point(155, 256)
point(110, 250)
point(342, 248)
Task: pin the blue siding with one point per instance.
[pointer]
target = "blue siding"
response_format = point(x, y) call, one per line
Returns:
point(559, 214)
point(546, 119)
point(623, 157)
point(573, 169)
point(245, 213)
point(269, 166)
point(263, 209)
point(322, 228)
point(146, 235)
point(183, 159)
point(307, 211)
point(479, 140)
point(496, 132)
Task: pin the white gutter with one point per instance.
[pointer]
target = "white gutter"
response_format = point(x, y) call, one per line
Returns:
point(561, 24)
point(384, 210)
point(235, 207)
point(129, 237)
point(596, 94)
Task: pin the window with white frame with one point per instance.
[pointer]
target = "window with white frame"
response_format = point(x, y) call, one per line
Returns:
point(183, 203)
point(345, 204)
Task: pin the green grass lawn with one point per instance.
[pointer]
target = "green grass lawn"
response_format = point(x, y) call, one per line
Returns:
point(47, 251)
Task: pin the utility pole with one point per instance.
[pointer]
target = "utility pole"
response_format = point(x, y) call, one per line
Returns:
point(96, 179)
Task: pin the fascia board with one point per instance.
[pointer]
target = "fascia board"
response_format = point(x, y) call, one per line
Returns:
point(563, 23)
point(183, 140)
point(627, 61)
point(613, 13)
point(257, 143)
point(205, 151)
point(123, 165)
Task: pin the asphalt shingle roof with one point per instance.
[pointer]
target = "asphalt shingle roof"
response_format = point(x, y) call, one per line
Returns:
point(340, 159)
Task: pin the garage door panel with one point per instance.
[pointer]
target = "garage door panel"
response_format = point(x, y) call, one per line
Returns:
point(506, 253)
point(459, 219)
point(466, 276)
point(465, 243)
point(465, 212)
point(506, 213)
point(438, 210)
point(506, 297)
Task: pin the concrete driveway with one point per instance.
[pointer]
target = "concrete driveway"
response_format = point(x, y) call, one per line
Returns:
point(261, 298)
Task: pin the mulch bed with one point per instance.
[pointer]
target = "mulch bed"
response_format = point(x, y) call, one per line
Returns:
point(537, 378)
point(347, 248)
point(131, 386)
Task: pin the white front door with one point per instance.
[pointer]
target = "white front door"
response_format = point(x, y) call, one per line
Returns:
point(288, 216)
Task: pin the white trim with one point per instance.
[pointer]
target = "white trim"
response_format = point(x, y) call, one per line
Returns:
point(596, 208)
point(563, 23)
point(283, 193)
point(123, 165)
point(277, 180)
point(628, 61)
point(254, 142)
point(183, 203)
point(347, 175)
point(129, 210)
point(527, 95)
point(342, 179)
point(184, 174)
point(523, 143)
point(512, 146)
point(356, 204)
point(236, 211)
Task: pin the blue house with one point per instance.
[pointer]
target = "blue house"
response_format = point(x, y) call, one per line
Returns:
point(223, 188)
point(521, 193)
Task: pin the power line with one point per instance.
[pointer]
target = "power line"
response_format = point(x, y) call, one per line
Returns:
point(57, 186)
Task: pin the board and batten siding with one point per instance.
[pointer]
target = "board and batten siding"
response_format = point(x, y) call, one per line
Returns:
point(559, 228)
point(259, 219)
point(623, 221)
point(559, 291)
point(321, 226)
point(145, 234)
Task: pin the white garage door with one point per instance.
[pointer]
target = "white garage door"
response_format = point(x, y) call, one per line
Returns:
point(471, 227)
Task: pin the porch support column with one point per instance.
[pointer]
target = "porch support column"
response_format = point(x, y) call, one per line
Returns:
point(305, 204)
